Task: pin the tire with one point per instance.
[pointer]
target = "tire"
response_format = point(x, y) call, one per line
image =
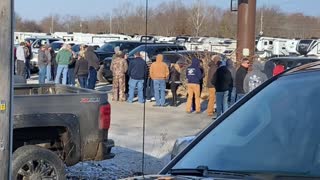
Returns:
point(100, 76)
point(30, 161)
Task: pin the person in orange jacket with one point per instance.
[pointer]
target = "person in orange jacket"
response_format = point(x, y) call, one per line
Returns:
point(159, 73)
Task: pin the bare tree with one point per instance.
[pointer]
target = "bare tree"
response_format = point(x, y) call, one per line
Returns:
point(198, 15)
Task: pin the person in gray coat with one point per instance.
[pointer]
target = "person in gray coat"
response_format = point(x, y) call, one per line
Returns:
point(255, 77)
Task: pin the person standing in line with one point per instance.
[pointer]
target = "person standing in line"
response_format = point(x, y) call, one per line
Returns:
point(71, 78)
point(28, 59)
point(42, 63)
point(212, 90)
point(194, 77)
point(201, 87)
point(174, 82)
point(49, 58)
point(93, 64)
point(222, 81)
point(21, 59)
point(254, 78)
point(81, 70)
point(159, 72)
point(232, 92)
point(54, 64)
point(279, 68)
point(137, 73)
point(63, 59)
point(149, 83)
point(268, 69)
point(240, 75)
point(119, 68)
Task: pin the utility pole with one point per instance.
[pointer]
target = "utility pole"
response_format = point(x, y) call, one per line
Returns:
point(261, 24)
point(110, 25)
point(6, 92)
point(51, 29)
point(246, 28)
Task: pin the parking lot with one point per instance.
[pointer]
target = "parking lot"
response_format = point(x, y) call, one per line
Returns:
point(163, 126)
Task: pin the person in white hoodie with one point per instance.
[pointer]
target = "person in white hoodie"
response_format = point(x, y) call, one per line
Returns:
point(21, 60)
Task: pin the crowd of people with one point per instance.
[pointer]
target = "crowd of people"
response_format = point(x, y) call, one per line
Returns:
point(62, 67)
point(225, 83)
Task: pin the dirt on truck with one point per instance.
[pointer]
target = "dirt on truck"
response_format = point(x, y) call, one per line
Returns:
point(56, 125)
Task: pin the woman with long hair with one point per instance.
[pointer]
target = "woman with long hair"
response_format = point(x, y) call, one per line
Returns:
point(174, 82)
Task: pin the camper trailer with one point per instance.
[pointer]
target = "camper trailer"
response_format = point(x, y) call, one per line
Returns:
point(270, 46)
point(309, 47)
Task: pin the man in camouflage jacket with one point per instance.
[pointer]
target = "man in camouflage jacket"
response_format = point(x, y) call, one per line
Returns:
point(119, 68)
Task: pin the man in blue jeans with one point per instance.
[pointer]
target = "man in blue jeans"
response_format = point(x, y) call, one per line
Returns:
point(137, 73)
point(222, 81)
point(42, 63)
point(159, 72)
point(93, 67)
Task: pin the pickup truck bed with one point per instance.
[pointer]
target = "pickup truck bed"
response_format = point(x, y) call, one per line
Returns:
point(70, 121)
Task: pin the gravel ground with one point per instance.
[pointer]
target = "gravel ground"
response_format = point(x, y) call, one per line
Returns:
point(127, 163)
point(163, 126)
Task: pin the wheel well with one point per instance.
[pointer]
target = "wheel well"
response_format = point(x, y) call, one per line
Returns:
point(48, 137)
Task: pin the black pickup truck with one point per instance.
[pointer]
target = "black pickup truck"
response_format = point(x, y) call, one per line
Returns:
point(56, 125)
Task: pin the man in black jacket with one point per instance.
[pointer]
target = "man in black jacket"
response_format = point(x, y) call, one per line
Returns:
point(137, 72)
point(240, 75)
point(222, 81)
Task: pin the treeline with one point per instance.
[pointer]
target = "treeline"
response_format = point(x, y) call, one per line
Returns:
point(174, 18)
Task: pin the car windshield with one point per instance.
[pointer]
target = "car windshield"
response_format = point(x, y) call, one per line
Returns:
point(276, 130)
point(109, 47)
point(138, 49)
point(56, 46)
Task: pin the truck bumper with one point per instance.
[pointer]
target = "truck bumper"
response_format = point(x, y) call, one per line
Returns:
point(104, 150)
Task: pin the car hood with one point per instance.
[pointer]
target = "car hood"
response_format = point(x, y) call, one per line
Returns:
point(168, 177)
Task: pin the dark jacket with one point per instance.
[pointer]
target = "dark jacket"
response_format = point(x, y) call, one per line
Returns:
point(174, 75)
point(268, 68)
point(81, 67)
point(92, 58)
point(222, 79)
point(229, 64)
point(137, 69)
point(72, 63)
point(194, 74)
point(212, 70)
point(240, 75)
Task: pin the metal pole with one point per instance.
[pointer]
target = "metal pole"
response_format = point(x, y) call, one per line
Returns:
point(246, 27)
point(6, 92)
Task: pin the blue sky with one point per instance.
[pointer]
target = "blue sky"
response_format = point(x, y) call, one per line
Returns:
point(36, 9)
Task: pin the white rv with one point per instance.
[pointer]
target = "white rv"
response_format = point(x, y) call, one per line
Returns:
point(272, 46)
point(309, 47)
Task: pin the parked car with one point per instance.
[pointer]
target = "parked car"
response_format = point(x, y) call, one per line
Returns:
point(56, 125)
point(268, 134)
point(107, 50)
point(152, 49)
point(291, 62)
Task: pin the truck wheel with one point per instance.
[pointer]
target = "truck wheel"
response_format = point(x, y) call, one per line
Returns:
point(33, 162)
point(100, 76)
